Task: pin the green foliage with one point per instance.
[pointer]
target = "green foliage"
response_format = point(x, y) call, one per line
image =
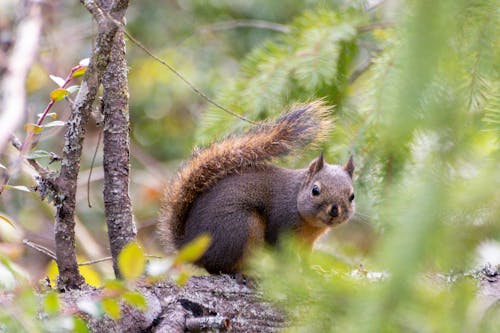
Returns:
point(51, 303)
point(422, 122)
point(21, 307)
point(193, 250)
point(311, 61)
point(111, 307)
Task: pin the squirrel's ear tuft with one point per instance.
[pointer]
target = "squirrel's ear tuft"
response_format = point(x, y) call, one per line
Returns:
point(349, 166)
point(316, 165)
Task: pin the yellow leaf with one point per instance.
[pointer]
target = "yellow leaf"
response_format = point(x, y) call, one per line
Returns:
point(114, 287)
point(89, 274)
point(79, 325)
point(58, 94)
point(136, 299)
point(182, 278)
point(193, 250)
point(80, 72)
point(16, 187)
point(52, 272)
point(33, 128)
point(131, 261)
point(6, 219)
point(51, 303)
point(111, 308)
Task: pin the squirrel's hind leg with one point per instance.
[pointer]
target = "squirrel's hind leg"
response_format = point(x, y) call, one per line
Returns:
point(233, 237)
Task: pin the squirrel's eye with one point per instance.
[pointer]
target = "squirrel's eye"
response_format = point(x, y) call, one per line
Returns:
point(351, 197)
point(315, 190)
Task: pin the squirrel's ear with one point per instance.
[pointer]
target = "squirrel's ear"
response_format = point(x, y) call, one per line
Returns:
point(349, 166)
point(316, 164)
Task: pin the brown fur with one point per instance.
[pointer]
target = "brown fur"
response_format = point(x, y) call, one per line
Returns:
point(303, 124)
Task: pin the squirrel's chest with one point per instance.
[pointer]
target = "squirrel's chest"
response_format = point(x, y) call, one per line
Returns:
point(307, 234)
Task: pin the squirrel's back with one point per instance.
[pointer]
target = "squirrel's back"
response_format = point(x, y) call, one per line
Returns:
point(301, 125)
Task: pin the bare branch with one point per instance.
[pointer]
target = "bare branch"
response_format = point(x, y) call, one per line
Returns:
point(39, 248)
point(199, 324)
point(189, 84)
point(65, 201)
point(116, 149)
point(41, 170)
point(373, 26)
point(259, 24)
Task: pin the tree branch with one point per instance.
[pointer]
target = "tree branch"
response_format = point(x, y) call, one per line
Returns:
point(116, 149)
point(69, 275)
point(259, 24)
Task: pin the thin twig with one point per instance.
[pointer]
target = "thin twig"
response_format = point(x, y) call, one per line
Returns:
point(39, 248)
point(29, 138)
point(373, 26)
point(189, 84)
point(96, 261)
point(260, 24)
point(360, 70)
point(45, 173)
point(216, 323)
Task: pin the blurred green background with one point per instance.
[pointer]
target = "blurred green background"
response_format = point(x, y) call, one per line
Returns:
point(416, 91)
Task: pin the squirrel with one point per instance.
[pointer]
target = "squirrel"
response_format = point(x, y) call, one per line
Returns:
point(230, 191)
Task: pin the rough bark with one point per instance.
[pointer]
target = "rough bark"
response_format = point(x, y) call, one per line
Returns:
point(118, 211)
point(220, 303)
point(206, 303)
point(69, 276)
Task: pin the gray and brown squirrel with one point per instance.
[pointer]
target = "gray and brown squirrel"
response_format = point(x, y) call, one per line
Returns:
point(231, 192)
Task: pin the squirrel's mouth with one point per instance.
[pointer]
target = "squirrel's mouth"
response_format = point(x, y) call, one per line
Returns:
point(333, 221)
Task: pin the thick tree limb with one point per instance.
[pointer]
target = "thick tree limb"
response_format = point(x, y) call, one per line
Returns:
point(118, 209)
point(69, 276)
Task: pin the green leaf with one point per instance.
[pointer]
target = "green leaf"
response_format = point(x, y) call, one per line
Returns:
point(56, 123)
point(136, 299)
point(131, 261)
point(37, 154)
point(73, 89)
point(115, 286)
point(79, 325)
point(6, 219)
point(58, 94)
point(33, 128)
point(16, 187)
point(80, 72)
point(193, 250)
point(182, 278)
point(51, 303)
point(111, 307)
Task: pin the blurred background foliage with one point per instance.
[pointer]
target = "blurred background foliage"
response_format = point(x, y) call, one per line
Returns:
point(416, 91)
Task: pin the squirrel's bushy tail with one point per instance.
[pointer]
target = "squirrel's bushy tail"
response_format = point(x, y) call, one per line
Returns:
point(303, 124)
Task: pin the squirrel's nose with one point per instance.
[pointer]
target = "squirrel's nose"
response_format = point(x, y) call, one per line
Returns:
point(334, 211)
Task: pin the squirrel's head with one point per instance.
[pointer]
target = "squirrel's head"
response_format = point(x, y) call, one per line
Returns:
point(326, 197)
